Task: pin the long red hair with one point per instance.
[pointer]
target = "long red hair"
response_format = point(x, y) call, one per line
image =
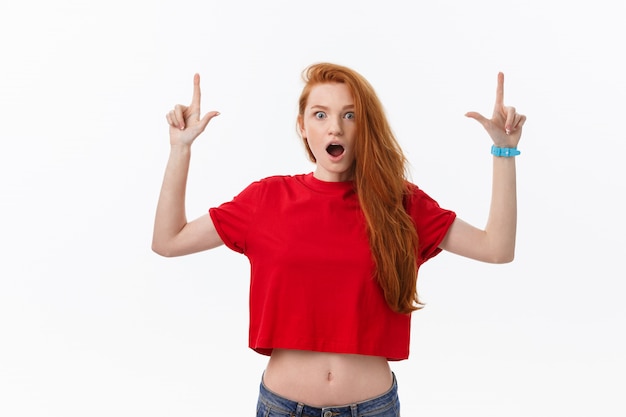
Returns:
point(380, 183)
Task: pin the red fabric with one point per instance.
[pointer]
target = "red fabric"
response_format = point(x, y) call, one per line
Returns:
point(312, 285)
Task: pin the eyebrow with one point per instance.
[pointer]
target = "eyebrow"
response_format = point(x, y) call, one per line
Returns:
point(319, 106)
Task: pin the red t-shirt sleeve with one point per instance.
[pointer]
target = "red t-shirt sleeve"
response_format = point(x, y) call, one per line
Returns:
point(233, 219)
point(431, 222)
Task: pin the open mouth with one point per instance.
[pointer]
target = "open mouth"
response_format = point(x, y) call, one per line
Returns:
point(335, 150)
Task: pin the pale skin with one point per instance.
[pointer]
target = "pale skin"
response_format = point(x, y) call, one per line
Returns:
point(316, 378)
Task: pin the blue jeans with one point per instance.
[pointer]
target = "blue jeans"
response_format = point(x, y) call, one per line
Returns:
point(273, 405)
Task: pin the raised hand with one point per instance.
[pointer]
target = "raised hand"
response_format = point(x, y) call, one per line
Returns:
point(185, 122)
point(505, 125)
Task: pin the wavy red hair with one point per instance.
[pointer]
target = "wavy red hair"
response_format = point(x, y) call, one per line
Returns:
point(381, 185)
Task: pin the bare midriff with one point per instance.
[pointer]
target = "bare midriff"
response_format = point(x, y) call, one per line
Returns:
point(321, 379)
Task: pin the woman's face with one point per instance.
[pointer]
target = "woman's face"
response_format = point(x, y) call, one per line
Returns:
point(329, 128)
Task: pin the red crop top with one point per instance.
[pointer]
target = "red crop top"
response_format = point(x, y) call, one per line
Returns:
point(312, 273)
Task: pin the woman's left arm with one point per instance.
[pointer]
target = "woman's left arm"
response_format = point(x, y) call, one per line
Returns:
point(496, 243)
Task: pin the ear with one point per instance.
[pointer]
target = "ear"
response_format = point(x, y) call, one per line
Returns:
point(300, 123)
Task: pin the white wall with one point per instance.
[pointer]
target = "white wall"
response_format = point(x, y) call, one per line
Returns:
point(92, 323)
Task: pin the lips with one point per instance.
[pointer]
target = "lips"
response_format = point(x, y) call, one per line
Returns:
point(334, 149)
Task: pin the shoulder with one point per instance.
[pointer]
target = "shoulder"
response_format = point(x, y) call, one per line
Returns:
point(281, 179)
point(272, 184)
point(417, 201)
point(415, 195)
point(277, 181)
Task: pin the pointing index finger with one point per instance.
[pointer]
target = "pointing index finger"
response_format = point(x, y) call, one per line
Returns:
point(195, 100)
point(500, 90)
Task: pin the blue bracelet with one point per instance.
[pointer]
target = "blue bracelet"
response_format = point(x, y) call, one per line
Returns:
point(504, 152)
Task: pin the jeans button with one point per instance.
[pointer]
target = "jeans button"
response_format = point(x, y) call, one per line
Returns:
point(328, 413)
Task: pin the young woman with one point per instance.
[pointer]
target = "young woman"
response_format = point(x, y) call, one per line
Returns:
point(335, 253)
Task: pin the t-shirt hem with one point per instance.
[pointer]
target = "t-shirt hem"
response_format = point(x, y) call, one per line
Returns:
point(390, 356)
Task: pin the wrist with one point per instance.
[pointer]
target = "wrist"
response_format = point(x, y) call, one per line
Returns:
point(178, 151)
point(180, 147)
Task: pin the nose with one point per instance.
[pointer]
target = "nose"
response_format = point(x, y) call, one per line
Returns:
point(335, 128)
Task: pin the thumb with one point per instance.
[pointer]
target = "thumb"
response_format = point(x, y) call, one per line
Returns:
point(478, 117)
point(207, 118)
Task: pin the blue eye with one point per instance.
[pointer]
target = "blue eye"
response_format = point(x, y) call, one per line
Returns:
point(320, 115)
point(349, 115)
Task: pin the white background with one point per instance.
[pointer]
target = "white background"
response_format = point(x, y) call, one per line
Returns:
point(92, 323)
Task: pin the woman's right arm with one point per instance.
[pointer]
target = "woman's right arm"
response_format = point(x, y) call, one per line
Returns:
point(173, 235)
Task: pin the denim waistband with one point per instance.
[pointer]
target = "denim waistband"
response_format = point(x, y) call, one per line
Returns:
point(386, 404)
